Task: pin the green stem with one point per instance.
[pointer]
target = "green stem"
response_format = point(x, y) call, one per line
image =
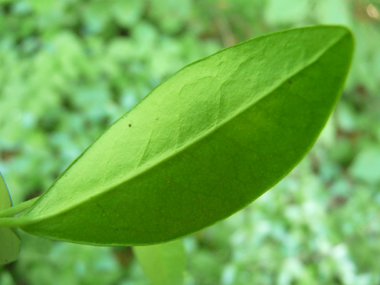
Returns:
point(12, 222)
point(18, 209)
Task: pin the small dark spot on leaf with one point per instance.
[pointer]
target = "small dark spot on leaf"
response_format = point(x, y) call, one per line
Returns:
point(130, 125)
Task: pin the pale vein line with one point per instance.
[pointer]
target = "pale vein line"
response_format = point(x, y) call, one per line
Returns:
point(219, 104)
point(107, 169)
point(179, 115)
point(154, 123)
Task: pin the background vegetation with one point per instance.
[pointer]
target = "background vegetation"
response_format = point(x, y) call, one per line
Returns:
point(69, 68)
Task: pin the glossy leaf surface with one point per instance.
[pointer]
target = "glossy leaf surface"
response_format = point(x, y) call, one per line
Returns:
point(9, 240)
point(202, 145)
point(163, 263)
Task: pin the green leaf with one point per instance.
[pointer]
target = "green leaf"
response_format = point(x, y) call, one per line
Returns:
point(5, 198)
point(9, 246)
point(9, 240)
point(202, 145)
point(163, 263)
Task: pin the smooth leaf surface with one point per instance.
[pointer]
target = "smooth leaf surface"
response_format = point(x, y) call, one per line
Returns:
point(5, 198)
point(164, 264)
point(9, 246)
point(202, 145)
point(9, 240)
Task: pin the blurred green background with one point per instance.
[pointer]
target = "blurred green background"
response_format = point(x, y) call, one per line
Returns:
point(69, 68)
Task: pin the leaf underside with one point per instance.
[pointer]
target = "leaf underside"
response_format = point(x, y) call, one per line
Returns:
point(202, 145)
point(9, 240)
point(5, 198)
point(9, 246)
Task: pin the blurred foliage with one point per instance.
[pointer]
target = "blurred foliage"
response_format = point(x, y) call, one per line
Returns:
point(69, 68)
